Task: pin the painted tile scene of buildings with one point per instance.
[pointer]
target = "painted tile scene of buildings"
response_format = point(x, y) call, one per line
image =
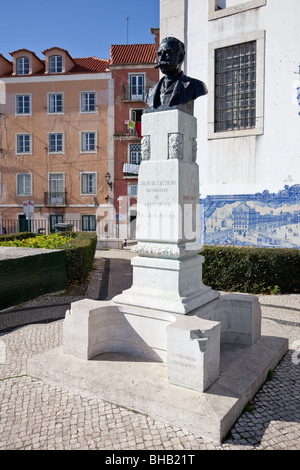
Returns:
point(264, 219)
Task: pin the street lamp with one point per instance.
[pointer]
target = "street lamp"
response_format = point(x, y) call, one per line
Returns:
point(107, 179)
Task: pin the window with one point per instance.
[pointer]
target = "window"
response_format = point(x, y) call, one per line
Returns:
point(55, 64)
point(24, 185)
point(56, 189)
point(23, 143)
point(220, 4)
point(23, 104)
point(88, 101)
point(236, 75)
point(23, 66)
point(88, 183)
point(220, 8)
point(88, 141)
point(135, 154)
point(88, 223)
point(235, 87)
point(136, 115)
point(55, 103)
point(55, 219)
point(132, 190)
point(56, 143)
point(136, 87)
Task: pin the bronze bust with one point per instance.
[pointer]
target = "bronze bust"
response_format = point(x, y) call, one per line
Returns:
point(175, 89)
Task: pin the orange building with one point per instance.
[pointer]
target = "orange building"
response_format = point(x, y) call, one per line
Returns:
point(56, 145)
point(132, 68)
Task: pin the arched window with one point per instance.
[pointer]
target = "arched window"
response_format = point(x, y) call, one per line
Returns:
point(55, 64)
point(23, 66)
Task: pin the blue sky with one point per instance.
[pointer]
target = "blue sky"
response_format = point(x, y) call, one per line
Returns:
point(83, 27)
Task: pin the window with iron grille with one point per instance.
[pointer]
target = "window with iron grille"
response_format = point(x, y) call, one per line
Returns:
point(135, 154)
point(235, 87)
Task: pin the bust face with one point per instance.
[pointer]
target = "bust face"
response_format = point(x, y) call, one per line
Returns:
point(169, 57)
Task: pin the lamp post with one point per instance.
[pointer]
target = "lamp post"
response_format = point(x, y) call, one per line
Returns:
point(107, 179)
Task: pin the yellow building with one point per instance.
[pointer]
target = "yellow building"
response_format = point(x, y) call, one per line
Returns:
point(56, 119)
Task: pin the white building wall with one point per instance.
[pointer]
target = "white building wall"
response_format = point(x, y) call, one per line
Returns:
point(255, 163)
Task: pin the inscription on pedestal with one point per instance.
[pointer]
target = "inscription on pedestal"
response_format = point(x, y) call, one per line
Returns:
point(181, 360)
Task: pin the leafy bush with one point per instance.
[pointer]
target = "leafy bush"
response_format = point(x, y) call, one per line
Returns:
point(16, 236)
point(54, 241)
point(252, 270)
point(80, 249)
point(80, 254)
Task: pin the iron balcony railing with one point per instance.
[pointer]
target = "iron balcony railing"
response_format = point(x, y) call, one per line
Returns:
point(134, 93)
point(55, 198)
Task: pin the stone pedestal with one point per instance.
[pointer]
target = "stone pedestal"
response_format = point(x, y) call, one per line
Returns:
point(160, 340)
point(167, 273)
point(168, 315)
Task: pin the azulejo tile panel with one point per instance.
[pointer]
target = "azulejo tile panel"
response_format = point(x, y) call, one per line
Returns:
point(263, 219)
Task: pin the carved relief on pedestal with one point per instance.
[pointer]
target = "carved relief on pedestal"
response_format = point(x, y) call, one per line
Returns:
point(146, 147)
point(175, 145)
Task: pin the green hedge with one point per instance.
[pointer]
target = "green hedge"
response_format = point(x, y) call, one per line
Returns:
point(17, 236)
point(80, 256)
point(79, 253)
point(252, 270)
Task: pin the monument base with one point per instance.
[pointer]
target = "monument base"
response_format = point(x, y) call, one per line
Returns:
point(171, 285)
point(156, 348)
point(143, 386)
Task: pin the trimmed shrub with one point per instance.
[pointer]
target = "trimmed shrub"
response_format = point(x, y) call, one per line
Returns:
point(80, 254)
point(17, 236)
point(80, 249)
point(252, 270)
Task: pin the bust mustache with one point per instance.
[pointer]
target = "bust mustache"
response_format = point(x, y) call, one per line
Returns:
point(175, 88)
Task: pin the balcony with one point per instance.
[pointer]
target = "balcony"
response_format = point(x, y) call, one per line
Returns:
point(131, 170)
point(131, 130)
point(136, 93)
point(55, 199)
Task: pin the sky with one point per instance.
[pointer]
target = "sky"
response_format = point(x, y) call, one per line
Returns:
point(83, 27)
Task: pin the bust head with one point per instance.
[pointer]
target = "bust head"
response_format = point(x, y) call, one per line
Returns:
point(171, 53)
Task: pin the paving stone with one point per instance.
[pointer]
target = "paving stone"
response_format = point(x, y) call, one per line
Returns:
point(37, 416)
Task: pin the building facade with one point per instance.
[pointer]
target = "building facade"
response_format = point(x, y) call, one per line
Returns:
point(132, 68)
point(56, 126)
point(248, 54)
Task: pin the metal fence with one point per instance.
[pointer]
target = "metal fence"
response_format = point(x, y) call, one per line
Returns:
point(8, 226)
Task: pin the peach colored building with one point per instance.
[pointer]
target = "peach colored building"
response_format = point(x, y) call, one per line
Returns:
point(133, 71)
point(56, 146)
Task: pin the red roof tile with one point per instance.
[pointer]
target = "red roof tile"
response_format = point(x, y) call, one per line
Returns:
point(132, 54)
point(25, 50)
point(55, 47)
point(89, 65)
point(2, 57)
point(82, 65)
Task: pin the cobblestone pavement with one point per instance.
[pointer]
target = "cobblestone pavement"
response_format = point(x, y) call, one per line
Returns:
point(38, 416)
